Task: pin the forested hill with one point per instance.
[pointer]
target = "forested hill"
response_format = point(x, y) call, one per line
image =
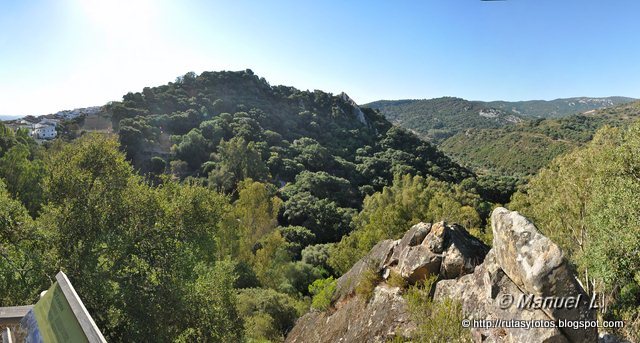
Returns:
point(438, 119)
point(559, 107)
point(226, 126)
point(525, 148)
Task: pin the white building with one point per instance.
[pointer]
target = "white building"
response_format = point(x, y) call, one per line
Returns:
point(47, 121)
point(44, 131)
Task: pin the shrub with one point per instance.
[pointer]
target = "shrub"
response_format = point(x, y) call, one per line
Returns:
point(437, 321)
point(367, 284)
point(396, 280)
point(322, 291)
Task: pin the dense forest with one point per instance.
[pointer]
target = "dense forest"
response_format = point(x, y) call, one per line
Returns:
point(224, 208)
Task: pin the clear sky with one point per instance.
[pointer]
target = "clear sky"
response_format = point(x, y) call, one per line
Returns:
point(61, 54)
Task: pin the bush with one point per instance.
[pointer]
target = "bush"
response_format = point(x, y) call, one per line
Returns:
point(157, 165)
point(267, 313)
point(437, 321)
point(368, 282)
point(396, 280)
point(322, 291)
point(317, 255)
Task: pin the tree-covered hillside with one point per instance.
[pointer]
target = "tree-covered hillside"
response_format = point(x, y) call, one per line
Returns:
point(559, 107)
point(437, 119)
point(199, 123)
point(525, 148)
point(441, 118)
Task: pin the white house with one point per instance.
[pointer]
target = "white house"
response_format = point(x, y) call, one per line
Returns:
point(44, 131)
point(47, 121)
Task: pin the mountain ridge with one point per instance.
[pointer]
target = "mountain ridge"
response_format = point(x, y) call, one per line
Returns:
point(541, 140)
point(440, 118)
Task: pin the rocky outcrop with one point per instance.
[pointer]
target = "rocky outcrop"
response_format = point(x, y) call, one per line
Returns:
point(492, 285)
point(356, 109)
point(523, 265)
point(438, 249)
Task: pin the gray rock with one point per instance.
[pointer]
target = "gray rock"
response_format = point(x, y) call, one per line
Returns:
point(537, 266)
point(418, 262)
point(480, 294)
point(435, 239)
point(463, 252)
point(381, 319)
point(375, 260)
point(411, 238)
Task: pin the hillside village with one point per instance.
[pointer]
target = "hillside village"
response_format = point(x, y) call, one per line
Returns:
point(46, 127)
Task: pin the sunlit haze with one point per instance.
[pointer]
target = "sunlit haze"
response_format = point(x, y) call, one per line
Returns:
point(62, 54)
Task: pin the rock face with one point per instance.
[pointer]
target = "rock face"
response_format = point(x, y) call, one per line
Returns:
point(490, 284)
point(356, 320)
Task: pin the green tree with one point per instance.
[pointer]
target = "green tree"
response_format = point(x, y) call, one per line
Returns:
point(237, 160)
point(139, 256)
point(22, 174)
point(25, 261)
point(192, 149)
point(268, 314)
point(271, 260)
point(255, 212)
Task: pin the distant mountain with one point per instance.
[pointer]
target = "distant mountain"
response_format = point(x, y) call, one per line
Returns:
point(438, 119)
point(559, 107)
point(525, 148)
point(8, 117)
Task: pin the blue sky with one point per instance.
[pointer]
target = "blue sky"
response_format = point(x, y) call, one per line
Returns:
point(61, 54)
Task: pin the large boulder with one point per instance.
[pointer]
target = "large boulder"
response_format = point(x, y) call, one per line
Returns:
point(481, 293)
point(439, 249)
point(462, 252)
point(538, 267)
point(523, 264)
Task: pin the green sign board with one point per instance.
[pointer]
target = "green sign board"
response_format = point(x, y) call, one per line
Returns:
point(59, 316)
